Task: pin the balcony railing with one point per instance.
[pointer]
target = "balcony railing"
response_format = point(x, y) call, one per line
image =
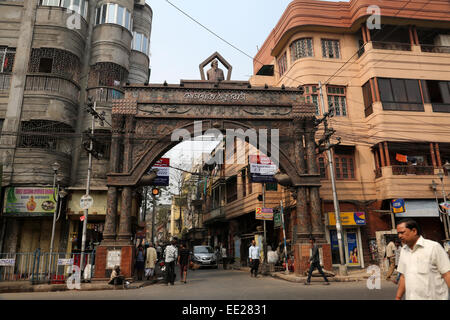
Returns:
point(52, 83)
point(435, 49)
point(105, 94)
point(5, 81)
point(417, 170)
point(391, 46)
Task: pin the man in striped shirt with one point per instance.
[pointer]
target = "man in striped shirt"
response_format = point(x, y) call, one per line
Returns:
point(171, 255)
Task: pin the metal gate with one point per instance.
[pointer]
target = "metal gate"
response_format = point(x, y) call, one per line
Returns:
point(41, 267)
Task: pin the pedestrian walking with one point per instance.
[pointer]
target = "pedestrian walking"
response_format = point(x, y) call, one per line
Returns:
point(150, 261)
point(398, 250)
point(224, 258)
point(315, 262)
point(390, 255)
point(253, 254)
point(140, 262)
point(424, 265)
point(171, 255)
point(183, 261)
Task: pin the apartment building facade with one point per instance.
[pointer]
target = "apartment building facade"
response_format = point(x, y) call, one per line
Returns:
point(55, 54)
point(389, 85)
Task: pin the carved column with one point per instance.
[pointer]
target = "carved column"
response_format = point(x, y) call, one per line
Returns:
point(314, 197)
point(125, 217)
point(111, 213)
point(130, 121)
point(303, 218)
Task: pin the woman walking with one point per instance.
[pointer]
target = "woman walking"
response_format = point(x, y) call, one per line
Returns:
point(140, 262)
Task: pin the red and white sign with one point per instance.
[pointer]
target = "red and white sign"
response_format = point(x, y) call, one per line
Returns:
point(163, 172)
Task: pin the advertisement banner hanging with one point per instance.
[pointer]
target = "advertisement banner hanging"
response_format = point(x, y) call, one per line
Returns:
point(277, 222)
point(163, 172)
point(264, 214)
point(29, 201)
point(398, 206)
point(262, 169)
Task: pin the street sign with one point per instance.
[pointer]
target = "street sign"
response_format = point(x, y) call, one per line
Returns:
point(277, 222)
point(264, 214)
point(86, 202)
point(262, 169)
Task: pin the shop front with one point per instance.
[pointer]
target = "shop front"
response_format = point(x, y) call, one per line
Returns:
point(353, 248)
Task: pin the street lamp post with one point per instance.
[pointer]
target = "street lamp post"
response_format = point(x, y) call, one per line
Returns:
point(441, 177)
point(56, 176)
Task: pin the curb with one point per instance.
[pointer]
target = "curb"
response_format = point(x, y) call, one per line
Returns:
point(296, 279)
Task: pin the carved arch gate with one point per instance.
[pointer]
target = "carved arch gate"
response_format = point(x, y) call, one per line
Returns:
point(142, 125)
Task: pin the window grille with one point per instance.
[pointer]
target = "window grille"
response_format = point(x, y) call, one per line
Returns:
point(336, 98)
point(107, 74)
point(7, 56)
point(301, 48)
point(64, 63)
point(331, 49)
point(311, 96)
point(282, 64)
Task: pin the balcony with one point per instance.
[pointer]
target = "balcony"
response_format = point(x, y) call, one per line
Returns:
point(52, 84)
point(413, 170)
point(435, 48)
point(391, 46)
point(105, 94)
point(217, 214)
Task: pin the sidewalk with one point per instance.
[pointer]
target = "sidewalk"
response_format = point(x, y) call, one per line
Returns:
point(26, 286)
point(353, 275)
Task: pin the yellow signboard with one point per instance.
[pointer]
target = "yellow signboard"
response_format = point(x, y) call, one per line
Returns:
point(348, 218)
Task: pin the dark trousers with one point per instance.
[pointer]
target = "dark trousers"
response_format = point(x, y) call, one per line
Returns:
point(170, 272)
point(255, 266)
point(313, 266)
point(224, 261)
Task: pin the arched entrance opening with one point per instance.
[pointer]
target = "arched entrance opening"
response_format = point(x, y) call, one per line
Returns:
point(151, 119)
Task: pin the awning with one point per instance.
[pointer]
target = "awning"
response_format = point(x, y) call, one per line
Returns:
point(419, 208)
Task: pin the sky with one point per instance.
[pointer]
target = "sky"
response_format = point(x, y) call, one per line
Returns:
point(178, 45)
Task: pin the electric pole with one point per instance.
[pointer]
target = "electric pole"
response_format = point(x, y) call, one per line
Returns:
point(90, 108)
point(328, 132)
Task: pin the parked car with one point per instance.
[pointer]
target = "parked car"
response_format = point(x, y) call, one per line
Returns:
point(204, 256)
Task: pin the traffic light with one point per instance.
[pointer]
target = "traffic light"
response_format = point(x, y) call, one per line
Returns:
point(260, 197)
point(155, 191)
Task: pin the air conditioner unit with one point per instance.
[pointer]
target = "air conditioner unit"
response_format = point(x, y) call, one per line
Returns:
point(442, 40)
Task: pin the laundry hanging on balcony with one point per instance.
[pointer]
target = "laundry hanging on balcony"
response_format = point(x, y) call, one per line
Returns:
point(401, 158)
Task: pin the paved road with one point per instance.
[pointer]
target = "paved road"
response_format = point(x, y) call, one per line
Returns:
point(207, 284)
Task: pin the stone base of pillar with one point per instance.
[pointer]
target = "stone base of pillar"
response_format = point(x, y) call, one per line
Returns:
point(126, 260)
point(302, 238)
point(302, 255)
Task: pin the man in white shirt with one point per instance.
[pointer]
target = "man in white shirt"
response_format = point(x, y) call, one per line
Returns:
point(171, 255)
point(424, 265)
point(253, 254)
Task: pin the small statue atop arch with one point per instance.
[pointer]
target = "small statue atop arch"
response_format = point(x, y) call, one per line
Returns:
point(215, 73)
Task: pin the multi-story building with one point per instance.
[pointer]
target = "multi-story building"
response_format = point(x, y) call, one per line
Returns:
point(55, 54)
point(389, 85)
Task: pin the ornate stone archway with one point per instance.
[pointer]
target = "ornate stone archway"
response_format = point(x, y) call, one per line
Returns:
point(143, 122)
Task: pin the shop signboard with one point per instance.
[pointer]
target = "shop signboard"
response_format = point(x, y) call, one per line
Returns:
point(163, 172)
point(419, 208)
point(262, 169)
point(348, 218)
point(65, 262)
point(7, 262)
point(27, 202)
point(398, 206)
point(113, 259)
point(264, 214)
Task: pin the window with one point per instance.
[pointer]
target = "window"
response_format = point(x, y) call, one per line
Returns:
point(311, 96)
point(336, 98)
point(400, 94)
point(145, 45)
point(301, 48)
point(45, 65)
point(244, 183)
point(250, 184)
point(271, 186)
point(77, 6)
point(138, 42)
point(344, 159)
point(113, 13)
point(7, 56)
point(53, 3)
point(322, 171)
point(231, 187)
point(330, 49)
point(368, 99)
point(439, 94)
point(282, 64)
